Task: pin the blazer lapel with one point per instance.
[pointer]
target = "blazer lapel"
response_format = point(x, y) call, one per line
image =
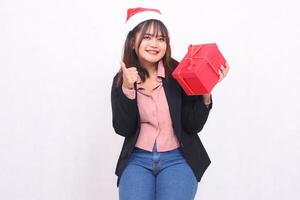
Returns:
point(173, 94)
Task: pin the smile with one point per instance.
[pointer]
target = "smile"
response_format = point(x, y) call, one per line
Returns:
point(153, 52)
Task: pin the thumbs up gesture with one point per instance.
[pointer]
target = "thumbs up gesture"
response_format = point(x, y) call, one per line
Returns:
point(130, 76)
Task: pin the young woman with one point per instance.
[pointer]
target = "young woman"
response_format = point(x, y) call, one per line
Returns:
point(162, 156)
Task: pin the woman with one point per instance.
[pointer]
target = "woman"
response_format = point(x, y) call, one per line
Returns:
point(162, 156)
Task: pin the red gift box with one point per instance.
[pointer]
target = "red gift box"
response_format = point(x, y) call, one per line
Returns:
point(198, 71)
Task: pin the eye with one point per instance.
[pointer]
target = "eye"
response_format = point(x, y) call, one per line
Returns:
point(146, 37)
point(162, 39)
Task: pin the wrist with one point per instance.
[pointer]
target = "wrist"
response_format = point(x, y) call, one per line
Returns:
point(206, 99)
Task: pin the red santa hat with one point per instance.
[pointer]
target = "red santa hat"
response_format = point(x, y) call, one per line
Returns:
point(138, 15)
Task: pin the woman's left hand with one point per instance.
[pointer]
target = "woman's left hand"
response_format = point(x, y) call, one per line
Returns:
point(223, 71)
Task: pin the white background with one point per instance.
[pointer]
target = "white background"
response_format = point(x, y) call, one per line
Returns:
point(57, 60)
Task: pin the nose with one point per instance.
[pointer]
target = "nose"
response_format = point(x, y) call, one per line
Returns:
point(154, 42)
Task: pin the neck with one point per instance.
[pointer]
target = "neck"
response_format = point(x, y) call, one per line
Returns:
point(151, 69)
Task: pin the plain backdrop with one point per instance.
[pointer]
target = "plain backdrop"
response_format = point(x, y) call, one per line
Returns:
point(57, 61)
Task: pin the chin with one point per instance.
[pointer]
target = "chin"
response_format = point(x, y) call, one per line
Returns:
point(154, 60)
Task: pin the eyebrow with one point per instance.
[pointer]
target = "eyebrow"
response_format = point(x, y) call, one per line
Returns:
point(149, 34)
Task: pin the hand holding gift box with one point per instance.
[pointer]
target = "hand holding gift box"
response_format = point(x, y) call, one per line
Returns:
point(201, 69)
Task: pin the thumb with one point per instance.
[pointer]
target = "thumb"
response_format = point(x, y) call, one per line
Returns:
point(123, 66)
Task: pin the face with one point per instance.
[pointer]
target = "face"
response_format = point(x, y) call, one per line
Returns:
point(152, 48)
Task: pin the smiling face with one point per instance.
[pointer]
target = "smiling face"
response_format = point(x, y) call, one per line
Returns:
point(150, 46)
point(140, 52)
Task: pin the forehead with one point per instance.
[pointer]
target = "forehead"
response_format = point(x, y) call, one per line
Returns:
point(153, 29)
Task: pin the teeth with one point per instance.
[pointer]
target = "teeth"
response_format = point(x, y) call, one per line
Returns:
point(152, 51)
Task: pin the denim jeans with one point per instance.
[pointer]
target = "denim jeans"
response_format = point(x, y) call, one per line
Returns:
point(157, 176)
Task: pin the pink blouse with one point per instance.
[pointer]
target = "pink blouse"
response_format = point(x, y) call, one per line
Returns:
point(155, 119)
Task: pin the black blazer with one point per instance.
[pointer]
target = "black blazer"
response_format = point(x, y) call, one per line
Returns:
point(188, 114)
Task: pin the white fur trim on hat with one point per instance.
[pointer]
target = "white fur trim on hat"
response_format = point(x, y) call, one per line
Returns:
point(137, 18)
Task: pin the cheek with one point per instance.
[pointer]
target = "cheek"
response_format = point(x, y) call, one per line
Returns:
point(164, 48)
point(140, 49)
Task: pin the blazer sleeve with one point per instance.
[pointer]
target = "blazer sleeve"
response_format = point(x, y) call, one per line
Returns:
point(194, 113)
point(124, 111)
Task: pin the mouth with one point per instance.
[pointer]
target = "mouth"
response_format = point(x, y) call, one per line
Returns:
point(152, 52)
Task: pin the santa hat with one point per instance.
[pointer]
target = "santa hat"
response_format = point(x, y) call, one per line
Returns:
point(138, 15)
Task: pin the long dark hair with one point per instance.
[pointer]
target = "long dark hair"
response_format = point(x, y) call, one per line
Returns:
point(131, 59)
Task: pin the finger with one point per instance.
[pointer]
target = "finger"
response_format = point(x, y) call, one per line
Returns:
point(227, 68)
point(222, 69)
point(225, 72)
point(132, 80)
point(132, 69)
point(220, 75)
point(227, 65)
point(134, 76)
point(123, 66)
point(132, 73)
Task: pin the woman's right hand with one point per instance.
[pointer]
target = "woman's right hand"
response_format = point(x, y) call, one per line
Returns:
point(130, 76)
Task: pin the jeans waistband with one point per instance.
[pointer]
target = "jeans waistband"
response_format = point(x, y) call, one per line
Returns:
point(137, 149)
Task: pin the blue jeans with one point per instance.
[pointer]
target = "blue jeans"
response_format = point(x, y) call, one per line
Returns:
point(157, 176)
